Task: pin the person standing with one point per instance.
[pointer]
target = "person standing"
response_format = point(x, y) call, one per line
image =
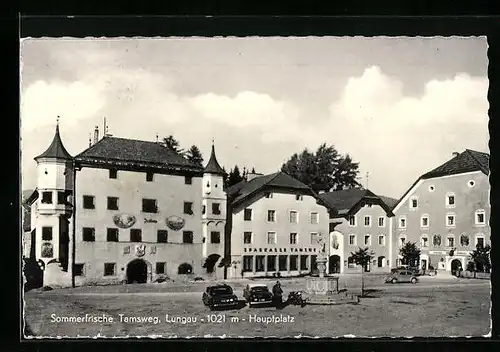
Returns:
point(277, 295)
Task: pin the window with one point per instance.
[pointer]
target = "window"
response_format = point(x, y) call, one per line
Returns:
point(47, 197)
point(352, 240)
point(314, 218)
point(436, 240)
point(352, 220)
point(413, 203)
point(381, 221)
point(187, 237)
point(402, 222)
point(247, 214)
point(112, 203)
point(109, 269)
point(450, 241)
point(247, 237)
point(160, 267)
point(47, 233)
point(480, 240)
point(149, 206)
point(471, 183)
point(450, 200)
point(271, 215)
point(113, 173)
point(294, 217)
point(381, 240)
point(259, 263)
point(268, 195)
point(464, 240)
point(149, 176)
point(216, 208)
point(402, 240)
point(271, 238)
point(299, 197)
point(367, 240)
point(424, 221)
point(314, 238)
point(247, 263)
point(112, 235)
point(293, 238)
point(424, 241)
point(88, 234)
point(61, 197)
point(162, 236)
point(188, 180)
point(215, 237)
point(368, 221)
point(88, 202)
point(135, 235)
point(450, 220)
point(282, 263)
point(78, 269)
point(431, 188)
point(294, 262)
point(271, 263)
point(188, 208)
point(480, 217)
point(303, 262)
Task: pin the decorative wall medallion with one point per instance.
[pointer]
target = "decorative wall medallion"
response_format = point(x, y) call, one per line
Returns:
point(175, 222)
point(126, 250)
point(140, 250)
point(146, 221)
point(47, 250)
point(153, 250)
point(124, 221)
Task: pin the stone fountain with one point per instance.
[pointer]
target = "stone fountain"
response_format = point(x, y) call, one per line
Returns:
point(324, 290)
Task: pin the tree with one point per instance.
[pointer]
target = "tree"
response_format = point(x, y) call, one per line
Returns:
point(194, 155)
point(323, 170)
point(363, 257)
point(481, 258)
point(173, 144)
point(410, 254)
point(234, 176)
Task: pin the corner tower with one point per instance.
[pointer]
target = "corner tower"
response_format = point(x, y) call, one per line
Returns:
point(213, 216)
point(55, 185)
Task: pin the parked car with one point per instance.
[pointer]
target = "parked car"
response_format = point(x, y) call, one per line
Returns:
point(257, 294)
point(414, 270)
point(402, 275)
point(219, 296)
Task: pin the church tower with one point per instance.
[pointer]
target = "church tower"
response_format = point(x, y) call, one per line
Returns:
point(213, 216)
point(54, 211)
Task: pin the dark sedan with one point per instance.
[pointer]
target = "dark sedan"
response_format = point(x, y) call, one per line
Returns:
point(257, 294)
point(220, 296)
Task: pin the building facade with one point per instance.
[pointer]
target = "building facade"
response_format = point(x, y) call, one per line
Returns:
point(275, 223)
point(124, 211)
point(446, 213)
point(360, 219)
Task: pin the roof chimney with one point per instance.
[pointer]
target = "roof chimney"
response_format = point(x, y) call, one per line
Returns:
point(252, 175)
point(455, 154)
point(96, 134)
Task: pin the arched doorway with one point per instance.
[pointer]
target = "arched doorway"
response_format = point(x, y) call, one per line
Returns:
point(137, 272)
point(210, 262)
point(184, 269)
point(456, 265)
point(334, 264)
point(381, 261)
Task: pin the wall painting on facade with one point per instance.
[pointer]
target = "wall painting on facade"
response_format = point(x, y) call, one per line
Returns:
point(47, 250)
point(124, 221)
point(175, 222)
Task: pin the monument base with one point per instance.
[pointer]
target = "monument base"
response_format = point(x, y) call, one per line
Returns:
point(325, 291)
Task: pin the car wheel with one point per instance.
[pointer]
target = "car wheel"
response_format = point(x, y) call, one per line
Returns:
point(413, 280)
point(393, 281)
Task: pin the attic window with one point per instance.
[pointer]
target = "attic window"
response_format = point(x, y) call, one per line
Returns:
point(299, 197)
point(431, 188)
point(113, 173)
point(471, 183)
point(268, 195)
point(188, 180)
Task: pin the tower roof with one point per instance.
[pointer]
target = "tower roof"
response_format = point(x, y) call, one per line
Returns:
point(213, 166)
point(56, 150)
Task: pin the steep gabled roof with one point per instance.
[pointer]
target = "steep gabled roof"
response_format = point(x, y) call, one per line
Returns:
point(131, 152)
point(468, 161)
point(213, 166)
point(279, 180)
point(346, 201)
point(56, 150)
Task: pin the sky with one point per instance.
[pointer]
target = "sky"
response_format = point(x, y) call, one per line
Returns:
point(399, 106)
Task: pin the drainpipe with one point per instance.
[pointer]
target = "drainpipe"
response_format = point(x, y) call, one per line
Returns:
point(73, 243)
